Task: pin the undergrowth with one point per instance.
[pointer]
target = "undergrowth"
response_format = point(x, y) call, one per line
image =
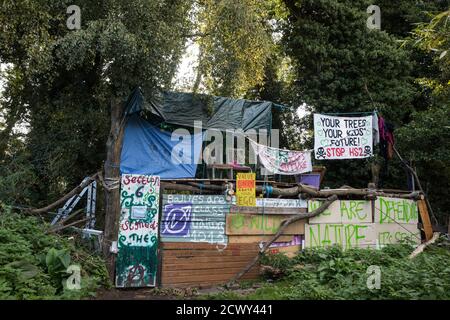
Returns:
point(33, 262)
point(331, 273)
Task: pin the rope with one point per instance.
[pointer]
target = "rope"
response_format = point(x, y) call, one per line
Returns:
point(109, 183)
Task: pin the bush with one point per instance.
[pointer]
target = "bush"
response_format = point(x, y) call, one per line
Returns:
point(33, 263)
point(331, 273)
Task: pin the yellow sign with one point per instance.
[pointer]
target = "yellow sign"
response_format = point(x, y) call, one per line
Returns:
point(246, 189)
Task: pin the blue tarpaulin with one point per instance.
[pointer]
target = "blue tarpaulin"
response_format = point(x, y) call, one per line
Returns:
point(148, 150)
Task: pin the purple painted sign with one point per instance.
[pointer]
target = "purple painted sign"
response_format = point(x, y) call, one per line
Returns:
point(177, 219)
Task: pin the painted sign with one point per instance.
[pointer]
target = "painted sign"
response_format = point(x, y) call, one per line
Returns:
point(344, 235)
point(342, 211)
point(279, 161)
point(394, 210)
point(348, 223)
point(246, 189)
point(136, 262)
point(281, 203)
point(342, 137)
point(194, 218)
point(278, 203)
point(397, 233)
point(246, 224)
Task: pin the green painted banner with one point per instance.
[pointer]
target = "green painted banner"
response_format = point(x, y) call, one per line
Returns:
point(137, 261)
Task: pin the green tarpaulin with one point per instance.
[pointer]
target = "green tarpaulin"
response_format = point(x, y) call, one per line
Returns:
point(214, 112)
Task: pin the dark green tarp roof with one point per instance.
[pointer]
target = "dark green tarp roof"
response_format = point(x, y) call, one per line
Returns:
point(214, 112)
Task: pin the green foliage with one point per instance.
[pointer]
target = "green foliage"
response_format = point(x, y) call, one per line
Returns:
point(18, 178)
point(342, 66)
point(335, 274)
point(425, 139)
point(432, 37)
point(278, 261)
point(33, 263)
point(60, 82)
point(432, 160)
point(57, 262)
point(235, 45)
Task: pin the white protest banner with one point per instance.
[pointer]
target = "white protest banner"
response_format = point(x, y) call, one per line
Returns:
point(342, 137)
point(279, 161)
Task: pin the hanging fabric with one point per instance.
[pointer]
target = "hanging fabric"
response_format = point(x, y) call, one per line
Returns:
point(279, 161)
point(387, 140)
point(375, 129)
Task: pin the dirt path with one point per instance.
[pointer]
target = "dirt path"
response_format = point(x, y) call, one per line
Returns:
point(151, 294)
point(160, 294)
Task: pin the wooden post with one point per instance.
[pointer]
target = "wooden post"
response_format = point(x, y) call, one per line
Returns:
point(448, 231)
point(112, 173)
point(423, 211)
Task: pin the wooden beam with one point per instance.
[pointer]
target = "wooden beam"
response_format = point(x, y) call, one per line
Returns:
point(60, 201)
point(422, 247)
point(423, 211)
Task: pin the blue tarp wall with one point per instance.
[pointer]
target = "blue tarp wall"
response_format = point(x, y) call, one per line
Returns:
point(148, 150)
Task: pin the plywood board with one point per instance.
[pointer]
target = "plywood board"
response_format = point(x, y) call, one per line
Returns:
point(389, 233)
point(342, 211)
point(242, 224)
point(345, 235)
point(393, 210)
point(255, 238)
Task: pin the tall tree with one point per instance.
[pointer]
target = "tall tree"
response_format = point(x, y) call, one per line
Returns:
point(426, 139)
point(235, 43)
point(74, 80)
point(342, 66)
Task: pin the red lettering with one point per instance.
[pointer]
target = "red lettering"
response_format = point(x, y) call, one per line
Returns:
point(124, 226)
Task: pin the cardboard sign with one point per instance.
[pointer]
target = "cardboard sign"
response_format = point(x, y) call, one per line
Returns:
point(279, 161)
point(342, 137)
point(246, 189)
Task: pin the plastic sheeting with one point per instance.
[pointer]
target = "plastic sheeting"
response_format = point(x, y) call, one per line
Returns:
point(148, 150)
point(214, 112)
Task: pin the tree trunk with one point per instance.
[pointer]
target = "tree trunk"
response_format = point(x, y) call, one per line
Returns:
point(112, 173)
